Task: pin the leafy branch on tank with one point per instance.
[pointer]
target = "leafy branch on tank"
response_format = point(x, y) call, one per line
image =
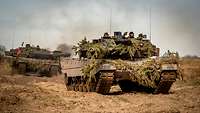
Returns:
point(115, 47)
point(145, 74)
point(91, 69)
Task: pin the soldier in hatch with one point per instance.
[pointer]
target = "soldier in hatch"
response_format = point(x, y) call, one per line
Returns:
point(140, 36)
point(131, 35)
point(144, 36)
point(106, 35)
point(125, 35)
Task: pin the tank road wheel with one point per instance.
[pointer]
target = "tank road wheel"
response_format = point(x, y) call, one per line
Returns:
point(87, 87)
point(68, 82)
point(73, 86)
point(69, 88)
point(84, 88)
point(166, 81)
point(81, 88)
point(22, 68)
point(77, 87)
point(92, 87)
point(105, 82)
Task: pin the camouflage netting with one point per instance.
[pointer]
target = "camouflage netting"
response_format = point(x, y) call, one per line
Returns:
point(91, 69)
point(37, 65)
point(145, 74)
point(109, 49)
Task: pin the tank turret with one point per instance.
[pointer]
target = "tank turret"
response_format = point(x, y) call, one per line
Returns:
point(118, 46)
point(35, 52)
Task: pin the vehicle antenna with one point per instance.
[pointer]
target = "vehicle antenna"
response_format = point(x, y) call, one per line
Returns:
point(150, 24)
point(110, 20)
point(13, 38)
point(29, 37)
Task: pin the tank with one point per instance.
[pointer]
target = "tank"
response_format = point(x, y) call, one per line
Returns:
point(30, 60)
point(131, 62)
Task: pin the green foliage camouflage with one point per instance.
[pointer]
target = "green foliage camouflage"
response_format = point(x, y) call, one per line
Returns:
point(38, 66)
point(36, 52)
point(108, 48)
point(144, 73)
point(91, 69)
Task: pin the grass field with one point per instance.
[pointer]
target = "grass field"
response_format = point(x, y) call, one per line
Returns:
point(190, 68)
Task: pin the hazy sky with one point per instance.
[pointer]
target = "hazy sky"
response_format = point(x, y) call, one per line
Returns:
point(175, 23)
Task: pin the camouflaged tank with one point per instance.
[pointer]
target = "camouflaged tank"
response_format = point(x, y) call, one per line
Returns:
point(32, 60)
point(119, 59)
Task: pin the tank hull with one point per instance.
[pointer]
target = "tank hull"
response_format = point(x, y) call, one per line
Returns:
point(36, 67)
point(106, 77)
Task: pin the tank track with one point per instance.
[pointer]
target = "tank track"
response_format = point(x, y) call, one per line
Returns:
point(105, 82)
point(102, 85)
point(166, 81)
point(81, 86)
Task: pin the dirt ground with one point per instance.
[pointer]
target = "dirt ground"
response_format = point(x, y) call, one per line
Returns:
point(29, 94)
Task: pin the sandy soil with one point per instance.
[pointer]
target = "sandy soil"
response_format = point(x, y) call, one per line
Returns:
point(28, 94)
point(25, 94)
